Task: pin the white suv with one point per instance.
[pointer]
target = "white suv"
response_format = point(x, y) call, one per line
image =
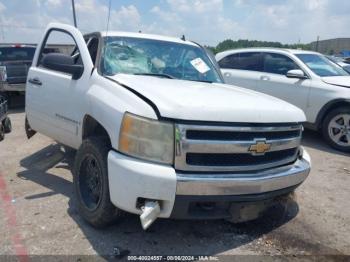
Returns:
point(306, 79)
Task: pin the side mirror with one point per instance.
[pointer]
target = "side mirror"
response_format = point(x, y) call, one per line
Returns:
point(296, 73)
point(63, 63)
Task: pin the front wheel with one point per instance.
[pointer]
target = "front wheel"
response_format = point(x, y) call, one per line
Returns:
point(91, 183)
point(336, 129)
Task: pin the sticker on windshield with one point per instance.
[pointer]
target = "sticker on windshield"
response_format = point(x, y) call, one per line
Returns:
point(200, 65)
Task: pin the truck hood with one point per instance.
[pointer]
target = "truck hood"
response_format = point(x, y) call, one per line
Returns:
point(190, 100)
point(337, 80)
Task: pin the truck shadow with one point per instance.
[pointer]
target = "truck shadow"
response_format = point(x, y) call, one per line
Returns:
point(315, 140)
point(165, 237)
point(16, 103)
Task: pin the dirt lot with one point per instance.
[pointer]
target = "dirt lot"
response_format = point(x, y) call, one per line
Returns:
point(38, 214)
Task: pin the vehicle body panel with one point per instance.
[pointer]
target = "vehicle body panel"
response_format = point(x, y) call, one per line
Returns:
point(130, 179)
point(45, 110)
point(188, 100)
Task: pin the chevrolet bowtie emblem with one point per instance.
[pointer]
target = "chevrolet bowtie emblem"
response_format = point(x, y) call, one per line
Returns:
point(260, 147)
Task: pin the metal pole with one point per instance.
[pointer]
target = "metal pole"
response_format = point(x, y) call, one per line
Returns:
point(317, 43)
point(74, 17)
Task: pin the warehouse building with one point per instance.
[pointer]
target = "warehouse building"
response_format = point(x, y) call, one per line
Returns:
point(331, 46)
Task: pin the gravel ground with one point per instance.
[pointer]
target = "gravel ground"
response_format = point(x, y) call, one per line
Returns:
point(38, 215)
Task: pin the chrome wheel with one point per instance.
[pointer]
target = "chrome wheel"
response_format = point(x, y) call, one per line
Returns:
point(339, 129)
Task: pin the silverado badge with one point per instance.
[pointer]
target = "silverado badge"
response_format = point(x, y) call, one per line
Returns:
point(260, 147)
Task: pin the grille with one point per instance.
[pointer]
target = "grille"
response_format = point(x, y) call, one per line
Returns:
point(199, 159)
point(233, 148)
point(227, 135)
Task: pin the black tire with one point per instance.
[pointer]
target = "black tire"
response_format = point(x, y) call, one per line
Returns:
point(7, 125)
point(97, 209)
point(2, 132)
point(327, 133)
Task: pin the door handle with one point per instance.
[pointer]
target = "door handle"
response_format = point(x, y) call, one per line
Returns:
point(35, 81)
point(265, 78)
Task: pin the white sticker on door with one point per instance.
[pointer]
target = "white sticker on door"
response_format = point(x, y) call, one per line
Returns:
point(200, 65)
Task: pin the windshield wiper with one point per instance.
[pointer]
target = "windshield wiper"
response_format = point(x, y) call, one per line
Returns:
point(204, 81)
point(171, 77)
point(154, 74)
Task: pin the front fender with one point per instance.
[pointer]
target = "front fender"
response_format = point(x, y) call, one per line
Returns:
point(328, 107)
point(107, 103)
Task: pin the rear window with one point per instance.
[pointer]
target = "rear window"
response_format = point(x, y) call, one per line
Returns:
point(16, 53)
point(244, 61)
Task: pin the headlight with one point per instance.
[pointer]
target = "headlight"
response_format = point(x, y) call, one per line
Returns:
point(147, 139)
point(3, 74)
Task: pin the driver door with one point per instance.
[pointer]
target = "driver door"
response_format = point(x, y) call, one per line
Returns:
point(54, 101)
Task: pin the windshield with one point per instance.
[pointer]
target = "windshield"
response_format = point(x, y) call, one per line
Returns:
point(130, 55)
point(16, 53)
point(322, 66)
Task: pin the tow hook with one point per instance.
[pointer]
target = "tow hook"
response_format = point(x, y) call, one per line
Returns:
point(150, 212)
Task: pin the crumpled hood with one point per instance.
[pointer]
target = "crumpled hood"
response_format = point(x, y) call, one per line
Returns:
point(337, 80)
point(189, 100)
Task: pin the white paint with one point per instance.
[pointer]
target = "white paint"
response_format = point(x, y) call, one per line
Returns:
point(130, 179)
point(310, 95)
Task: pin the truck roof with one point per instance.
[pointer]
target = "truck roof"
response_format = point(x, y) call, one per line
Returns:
point(267, 49)
point(145, 36)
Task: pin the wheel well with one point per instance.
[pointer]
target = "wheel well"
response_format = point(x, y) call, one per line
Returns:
point(91, 127)
point(328, 108)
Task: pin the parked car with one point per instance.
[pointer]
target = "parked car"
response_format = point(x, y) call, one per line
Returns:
point(347, 68)
point(344, 63)
point(5, 122)
point(15, 61)
point(157, 132)
point(304, 78)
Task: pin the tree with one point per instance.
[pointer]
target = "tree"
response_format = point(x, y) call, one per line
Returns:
point(244, 43)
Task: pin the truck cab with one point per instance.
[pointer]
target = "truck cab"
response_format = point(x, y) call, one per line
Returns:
point(157, 133)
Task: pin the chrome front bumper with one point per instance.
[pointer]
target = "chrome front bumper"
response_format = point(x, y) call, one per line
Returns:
point(245, 183)
point(5, 87)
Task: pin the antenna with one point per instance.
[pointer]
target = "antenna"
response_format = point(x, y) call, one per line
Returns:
point(74, 16)
point(109, 15)
point(105, 39)
point(2, 32)
point(317, 43)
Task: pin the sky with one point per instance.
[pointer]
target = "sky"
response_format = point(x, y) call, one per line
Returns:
point(205, 21)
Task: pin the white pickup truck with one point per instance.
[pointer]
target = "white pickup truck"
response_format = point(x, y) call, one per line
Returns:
point(157, 132)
